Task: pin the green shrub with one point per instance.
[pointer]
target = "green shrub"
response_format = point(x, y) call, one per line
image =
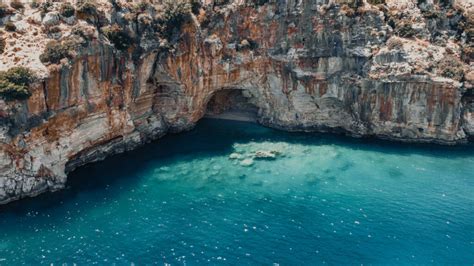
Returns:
point(175, 13)
point(451, 67)
point(14, 83)
point(468, 54)
point(405, 30)
point(119, 37)
point(9, 26)
point(376, 2)
point(81, 32)
point(55, 51)
point(3, 44)
point(395, 43)
point(67, 10)
point(18, 75)
point(10, 91)
point(87, 8)
point(17, 4)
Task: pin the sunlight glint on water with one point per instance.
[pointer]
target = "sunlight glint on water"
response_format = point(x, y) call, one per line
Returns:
point(201, 197)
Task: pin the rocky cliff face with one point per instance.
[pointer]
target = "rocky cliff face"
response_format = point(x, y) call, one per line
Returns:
point(399, 70)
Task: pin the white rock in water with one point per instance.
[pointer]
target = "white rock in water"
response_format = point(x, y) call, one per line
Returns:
point(235, 155)
point(164, 168)
point(246, 162)
point(266, 154)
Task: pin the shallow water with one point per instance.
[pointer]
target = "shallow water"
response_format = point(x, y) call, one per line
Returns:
point(323, 199)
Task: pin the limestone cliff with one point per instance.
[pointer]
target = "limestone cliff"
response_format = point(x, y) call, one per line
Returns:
point(399, 70)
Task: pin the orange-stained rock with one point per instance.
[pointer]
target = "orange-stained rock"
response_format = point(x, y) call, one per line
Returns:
point(305, 66)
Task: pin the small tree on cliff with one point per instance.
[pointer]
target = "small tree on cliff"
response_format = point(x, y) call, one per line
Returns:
point(88, 10)
point(118, 36)
point(14, 83)
point(55, 51)
point(3, 44)
point(451, 67)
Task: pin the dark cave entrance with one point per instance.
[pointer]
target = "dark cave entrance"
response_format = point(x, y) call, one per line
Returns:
point(232, 104)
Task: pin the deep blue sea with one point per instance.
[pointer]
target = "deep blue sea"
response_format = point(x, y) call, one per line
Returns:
point(202, 197)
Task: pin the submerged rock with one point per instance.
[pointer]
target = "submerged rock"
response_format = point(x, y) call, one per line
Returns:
point(266, 155)
point(164, 168)
point(235, 156)
point(247, 162)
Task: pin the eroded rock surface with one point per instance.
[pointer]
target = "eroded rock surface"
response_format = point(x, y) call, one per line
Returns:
point(314, 65)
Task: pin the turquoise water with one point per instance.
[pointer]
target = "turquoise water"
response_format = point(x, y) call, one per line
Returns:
point(323, 199)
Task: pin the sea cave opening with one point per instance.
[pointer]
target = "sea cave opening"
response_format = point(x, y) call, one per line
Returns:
point(232, 104)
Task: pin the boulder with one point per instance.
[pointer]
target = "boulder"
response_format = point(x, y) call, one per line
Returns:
point(235, 156)
point(269, 155)
point(51, 19)
point(246, 162)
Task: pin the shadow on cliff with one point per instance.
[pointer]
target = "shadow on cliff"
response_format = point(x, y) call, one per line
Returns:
point(210, 138)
